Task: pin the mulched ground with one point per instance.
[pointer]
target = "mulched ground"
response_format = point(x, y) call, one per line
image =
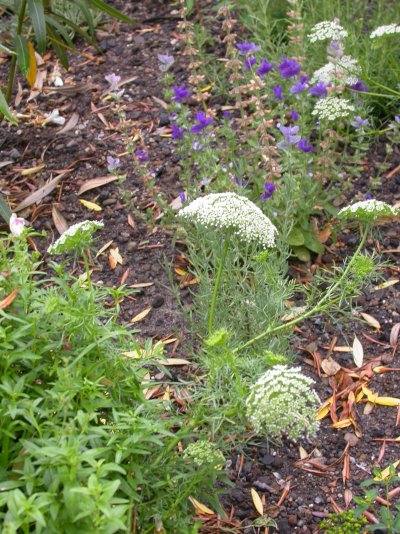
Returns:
point(338, 460)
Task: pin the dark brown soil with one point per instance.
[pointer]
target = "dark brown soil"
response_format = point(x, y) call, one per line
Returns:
point(132, 224)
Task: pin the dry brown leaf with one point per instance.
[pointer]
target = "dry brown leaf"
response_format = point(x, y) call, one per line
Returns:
point(344, 423)
point(394, 335)
point(59, 221)
point(115, 258)
point(163, 104)
point(371, 320)
point(9, 299)
point(368, 408)
point(173, 361)
point(73, 121)
point(104, 247)
point(296, 311)
point(329, 366)
point(176, 204)
point(32, 170)
point(348, 497)
point(96, 182)
point(324, 234)
point(131, 222)
point(258, 505)
point(303, 453)
point(141, 315)
point(143, 284)
point(386, 284)
point(358, 352)
point(39, 195)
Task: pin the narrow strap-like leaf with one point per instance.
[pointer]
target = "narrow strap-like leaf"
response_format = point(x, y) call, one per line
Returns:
point(86, 13)
point(5, 211)
point(105, 8)
point(57, 44)
point(36, 13)
point(21, 48)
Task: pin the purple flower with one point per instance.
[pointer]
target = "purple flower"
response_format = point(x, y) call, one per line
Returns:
point(290, 135)
point(180, 93)
point(166, 62)
point(269, 189)
point(249, 62)
point(176, 132)
point(112, 163)
point(246, 48)
point(241, 183)
point(367, 196)
point(335, 49)
point(303, 78)
point(278, 92)
point(359, 86)
point(319, 89)
point(397, 119)
point(265, 68)
point(294, 115)
point(298, 88)
point(202, 122)
point(358, 122)
point(182, 196)
point(141, 156)
point(113, 80)
point(289, 67)
point(226, 114)
point(302, 144)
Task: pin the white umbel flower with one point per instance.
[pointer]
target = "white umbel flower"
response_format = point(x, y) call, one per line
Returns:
point(327, 29)
point(333, 108)
point(77, 235)
point(231, 211)
point(345, 70)
point(282, 401)
point(389, 29)
point(368, 210)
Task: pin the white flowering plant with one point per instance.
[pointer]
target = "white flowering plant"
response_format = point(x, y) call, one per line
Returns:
point(282, 402)
point(368, 211)
point(78, 237)
point(203, 452)
point(333, 108)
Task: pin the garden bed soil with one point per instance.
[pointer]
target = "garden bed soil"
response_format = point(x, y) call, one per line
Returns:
point(133, 224)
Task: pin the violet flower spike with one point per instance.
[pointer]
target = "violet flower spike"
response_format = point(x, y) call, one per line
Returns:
point(265, 68)
point(249, 62)
point(304, 147)
point(298, 88)
point(176, 132)
point(113, 80)
point(247, 48)
point(182, 196)
point(289, 67)
point(180, 93)
point(290, 135)
point(359, 86)
point(141, 156)
point(269, 190)
point(112, 163)
point(278, 92)
point(294, 115)
point(368, 196)
point(359, 122)
point(202, 122)
point(319, 90)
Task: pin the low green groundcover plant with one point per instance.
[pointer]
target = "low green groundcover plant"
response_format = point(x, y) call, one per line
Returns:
point(82, 450)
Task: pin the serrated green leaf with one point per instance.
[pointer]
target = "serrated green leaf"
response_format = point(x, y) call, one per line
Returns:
point(5, 110)
point(22, 51)
point(36, 13)
point(105, 8)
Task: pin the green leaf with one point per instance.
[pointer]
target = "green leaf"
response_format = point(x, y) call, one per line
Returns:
point(22, 51)
point(57, 44)
point(5, 110)
point(36, 13)
point(59, 29)
point(87, 14)
point(312, 243)
point(295, 238)
point(105, 8)
point(302, 253)
point(75, 27)
point(6, 50)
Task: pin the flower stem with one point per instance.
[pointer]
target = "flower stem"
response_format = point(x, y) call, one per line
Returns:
point(321, 304)
point(87, 269)
point(217, 284)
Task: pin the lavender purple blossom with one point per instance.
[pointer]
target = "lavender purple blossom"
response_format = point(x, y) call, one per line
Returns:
point(304, 146)
point(269, 190)
point(265, 68)
point(290, 134)
point(176, 132)
point(141, 156)
point(319, 89)
point(278, 92)
point(202, 122)
point(180, 93)
point(359, 86)
point(112, 163)
point(113, 80)
point(359, 122)
point(249, 62)
point(247, 48)
point(166, 62)
point(289, 67)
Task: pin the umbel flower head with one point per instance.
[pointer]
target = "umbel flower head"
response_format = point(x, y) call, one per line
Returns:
point(204, 453)
point(389, 29)
point(368, 211)
point(233, 212)
point(78, 236)
point(333, 108)
point(282, 402)
point(327, 29)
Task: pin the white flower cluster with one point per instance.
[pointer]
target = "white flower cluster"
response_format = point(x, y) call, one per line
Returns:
point(332, 108)
point(368, 210)
point(234, 212)
point(282, 401)
point(79, 234)
point(345, 70)
point(389, 29)
point(327, 29)
point(204, 453)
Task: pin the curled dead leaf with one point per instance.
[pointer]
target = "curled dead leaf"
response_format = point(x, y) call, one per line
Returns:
point(258, 505)
point(329, 366)
point(9, 299)
point(141, 315)
point(200, 508)
point(394, 335)
point(371, 320)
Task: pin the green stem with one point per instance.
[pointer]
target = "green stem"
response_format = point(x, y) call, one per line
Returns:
point(217, 284)
point(317, 308)
point(87, 269)
point(11, 76)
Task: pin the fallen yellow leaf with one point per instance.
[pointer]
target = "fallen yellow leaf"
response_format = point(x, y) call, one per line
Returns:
point(258, 505)
point(200, 508)
point(343, 423)
point(32, 170)
point(141, 315)
point(90, 205)
point(385, 473)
